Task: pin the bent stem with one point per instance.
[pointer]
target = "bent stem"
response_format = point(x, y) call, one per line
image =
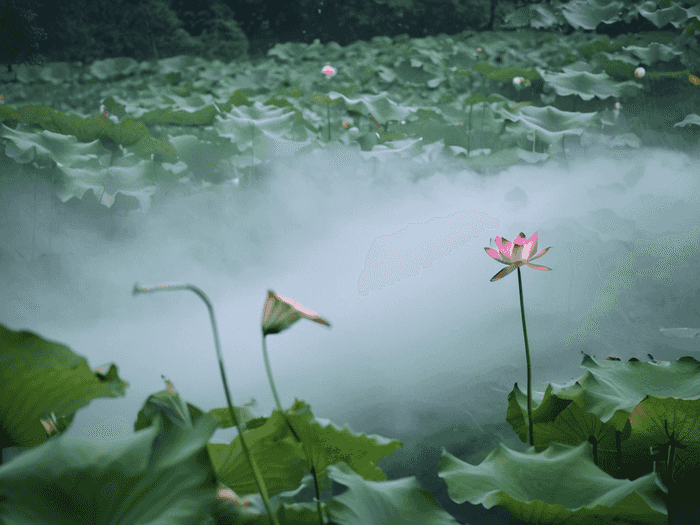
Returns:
point(246, 450)
point(279, 407)
point(529, 366)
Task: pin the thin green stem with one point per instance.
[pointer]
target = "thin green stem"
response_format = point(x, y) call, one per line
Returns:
point(36, 182)
point(328, 113)
point(529, 364)
point(252, 161)
point(232, 413)
point(469, 129)
point(481, 133)
point(571, 281)
point(321, 519)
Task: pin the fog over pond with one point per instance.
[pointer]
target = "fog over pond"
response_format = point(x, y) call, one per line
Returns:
point(397, 265)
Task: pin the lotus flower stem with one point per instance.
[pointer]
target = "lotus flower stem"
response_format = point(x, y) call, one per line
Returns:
point(279, 313)
point(529, 364)
point(571, 281)
point(252, 161)
point(279, 407)
point(481, 133)
point(256, 472)
point(469, 129)
point(514, 255)
point(36, 182)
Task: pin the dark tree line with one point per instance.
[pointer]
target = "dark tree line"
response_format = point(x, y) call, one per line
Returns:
point(19, 33)
point(86, 30)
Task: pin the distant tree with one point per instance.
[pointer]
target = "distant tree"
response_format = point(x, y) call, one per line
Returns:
point(492, 15)
point(222, 37)
point(19, 34)
point(89, 30)
point(212, 24)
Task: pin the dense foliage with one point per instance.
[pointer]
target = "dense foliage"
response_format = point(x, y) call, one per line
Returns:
point(348, 21)
point(85, 30)
point(19, 34)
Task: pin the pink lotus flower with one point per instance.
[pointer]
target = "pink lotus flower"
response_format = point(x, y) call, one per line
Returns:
point(517, 253)
point(280, 312)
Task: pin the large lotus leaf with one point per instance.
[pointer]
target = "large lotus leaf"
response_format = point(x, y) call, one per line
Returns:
point(202, 156)
point(45, 147)
point(263, 131)
point(48, 378)
point(537, 16)
point(559, 485)
point(56, 73)
point(380, 106)
point(551, 122)
point(129, 133)
point(610, 391)
point(606, 400)
point(280, 460)
point(676, 15)
point(161, 474)
point(588, 85)
point(573, 426)
point(398, 149)
point(589, 14)
point(418, 71)
point(612, 386)
point(545, 409)
point(692, 118)
point(326, 444)
point(653, 53)
point(129, 176)
point(602, 44)
point(671, 422)
point(398, 501)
